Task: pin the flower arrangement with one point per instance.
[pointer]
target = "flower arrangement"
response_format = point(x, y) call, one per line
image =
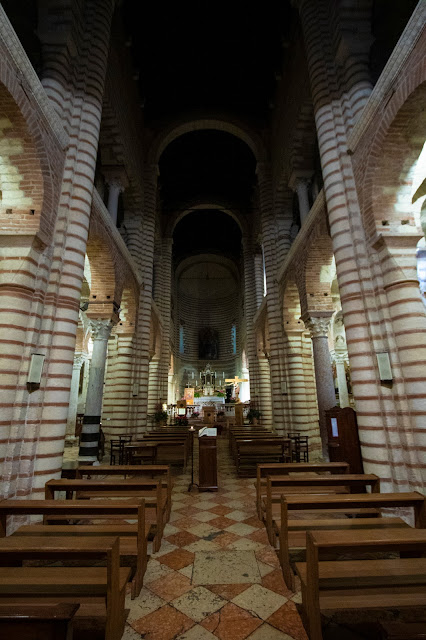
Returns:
point(253, 414)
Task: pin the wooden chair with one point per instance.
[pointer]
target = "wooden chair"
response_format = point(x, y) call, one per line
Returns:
point(333, 584)
point(299, 447)
point(115, 451)
point(100, 591)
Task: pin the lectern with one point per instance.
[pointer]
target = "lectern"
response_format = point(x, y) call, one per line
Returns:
point(207, 463)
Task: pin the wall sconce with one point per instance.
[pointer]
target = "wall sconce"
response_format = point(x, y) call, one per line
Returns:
point(385, 369)
point(135, 390)
point(284, 387)
point(35, 371)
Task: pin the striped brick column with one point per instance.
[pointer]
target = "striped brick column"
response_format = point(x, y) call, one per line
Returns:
point(273, 298)
point(153, 384)
point(264, 394)
point(66, 265)
point(118, 394)
point(354, 274)
point(165, 302)
point(258, 277)
point(140, 242)
point(89, 439)
point(250, 306)
point(303, 416)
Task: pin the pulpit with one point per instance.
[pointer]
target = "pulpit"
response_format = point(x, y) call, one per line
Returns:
point(207, 470)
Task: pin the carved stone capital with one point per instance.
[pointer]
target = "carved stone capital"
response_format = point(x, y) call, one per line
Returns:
point(318, 326)
point(101, 329)
point(79, 359)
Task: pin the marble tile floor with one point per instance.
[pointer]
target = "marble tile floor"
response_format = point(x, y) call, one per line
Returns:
point(215, 576)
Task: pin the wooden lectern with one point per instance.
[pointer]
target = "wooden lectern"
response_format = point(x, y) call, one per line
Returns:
point(207, 466)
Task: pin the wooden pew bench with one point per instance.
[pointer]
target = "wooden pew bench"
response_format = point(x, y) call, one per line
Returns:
point(276, 486)
point(132, 537)
point(331, 584)
point(153, 492)
point(100, 591)
point(249, 452)
point(171, 449)
point(270, 469)
point(37, 622)
point(256, 435)
point(131, 471)
point(329, 514)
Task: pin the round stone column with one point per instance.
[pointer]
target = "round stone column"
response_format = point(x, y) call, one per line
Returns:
point(117, 183)
point(340, 360)
point(326, 396)
point(79, 359)
point(90, 434)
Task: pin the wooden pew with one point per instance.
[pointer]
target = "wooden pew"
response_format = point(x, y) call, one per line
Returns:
point(173, 447)
point(248, 452)
point(355, 584)
point(100, 591)
point(37, 622)
point(131, 471)
point(133, 537)
point(156, 507)
point(270, 469)
point(276, 486)
point(292, 533)
point(247, 435)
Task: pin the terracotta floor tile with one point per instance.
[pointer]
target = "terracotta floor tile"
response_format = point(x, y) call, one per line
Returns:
point(226, 539)
point(177, 559)
point(221, 522)
point(268, 556)
point(275, 582)
point(254, 522)
point(171, 586)
point(287, 619)
point(187, 511)
point(231, 623)
point(220, 511)
point(228, 591)
point(258, 536)
point(164, 624)
point(182, 538)
point(185, 523)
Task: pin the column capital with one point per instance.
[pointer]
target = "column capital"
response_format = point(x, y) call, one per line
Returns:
point(79, 359)
point(101, 328)
point(116, 176)
point(299, 177)
point(318, 324)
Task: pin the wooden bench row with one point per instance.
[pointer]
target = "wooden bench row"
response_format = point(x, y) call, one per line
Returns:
point(75, 529)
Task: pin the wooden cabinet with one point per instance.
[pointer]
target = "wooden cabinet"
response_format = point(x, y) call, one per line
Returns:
point(207, 463)
point(343, 440)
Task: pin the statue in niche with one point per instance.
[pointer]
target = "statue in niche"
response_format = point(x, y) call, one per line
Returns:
point(208, 344)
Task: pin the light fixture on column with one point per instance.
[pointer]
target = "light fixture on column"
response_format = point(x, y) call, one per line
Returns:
point(284, 387)
point(35, 371)
point(385, 368)
point(135, 389)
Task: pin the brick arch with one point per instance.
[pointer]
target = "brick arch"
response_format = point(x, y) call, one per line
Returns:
point(27, 181)
point(393, 150)
point(189, 208)
point(314, 281)
point(235, 128)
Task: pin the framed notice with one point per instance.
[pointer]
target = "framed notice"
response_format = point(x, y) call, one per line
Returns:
point(189, 395)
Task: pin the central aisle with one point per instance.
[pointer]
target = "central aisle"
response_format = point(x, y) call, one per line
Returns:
point(215, 576)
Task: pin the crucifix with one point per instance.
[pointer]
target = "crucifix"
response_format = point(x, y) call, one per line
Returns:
point(236, 381)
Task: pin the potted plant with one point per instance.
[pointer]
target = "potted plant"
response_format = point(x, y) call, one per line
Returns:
point(195, 414)
point(253, 416)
